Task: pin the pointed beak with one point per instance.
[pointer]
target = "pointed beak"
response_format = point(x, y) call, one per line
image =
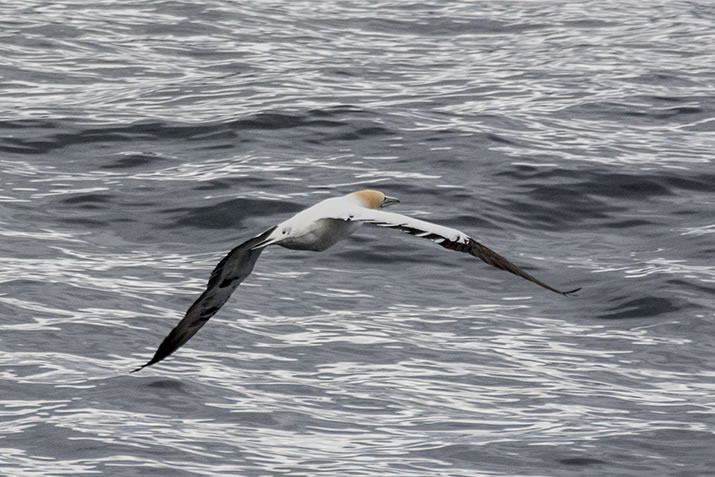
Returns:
point(389, 201)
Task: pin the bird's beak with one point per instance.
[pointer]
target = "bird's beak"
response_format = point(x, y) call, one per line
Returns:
point(389, 201)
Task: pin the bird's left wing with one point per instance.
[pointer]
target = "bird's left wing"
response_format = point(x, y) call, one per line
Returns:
point(447, 237)
point(225, 278)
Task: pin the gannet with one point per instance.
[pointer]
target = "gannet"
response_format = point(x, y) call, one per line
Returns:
point(318, 228)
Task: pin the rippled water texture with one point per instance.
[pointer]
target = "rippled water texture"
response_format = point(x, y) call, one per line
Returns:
point(140, 141)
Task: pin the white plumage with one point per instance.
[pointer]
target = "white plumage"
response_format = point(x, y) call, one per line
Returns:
point(317, 228)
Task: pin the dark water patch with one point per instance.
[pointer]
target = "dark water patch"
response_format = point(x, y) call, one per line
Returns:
point(475, 222)
point(339, 111)
point(312, 119)
point(448, 26)
point(237, 185)
point(25, 124)
point(133, 160)
point(624, 186)
point(166, 384)
point(688, 451)
point(160, 130)
point(49, 441)
point(586, 23)
point(165, 397)
point(629, 223)
point(100, 210)
point(501, 139)
point(90, 222)
point(570, 197)
point(259, 419)
point(294, 389)
point(580, 461)
point(667, 113)
point(287, 420)
point(524, 172)
point(638, 114)
point(85, 135)
point(440, 135)
point(227, 214)
point(702, 126)
point(698, 288)
point(644, 307)
point(664, 99)
point(224, 135)
point(89, 201)
point(660, 77)
point(271, 121)
point(558, 208)
point(338, 124)
point(704, 251)
point(26, 146)
point(580, 196)
point(360, 133)
point(701, 182)
point(631, 186)
point(687, 212)
point(456, 454)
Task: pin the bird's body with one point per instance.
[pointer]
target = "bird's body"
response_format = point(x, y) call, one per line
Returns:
point(321, 235)
point(318, 228)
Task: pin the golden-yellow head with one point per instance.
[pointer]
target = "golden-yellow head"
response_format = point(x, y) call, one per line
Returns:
point(374, 199)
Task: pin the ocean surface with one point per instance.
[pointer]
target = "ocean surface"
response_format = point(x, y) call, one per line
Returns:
point(140, 141)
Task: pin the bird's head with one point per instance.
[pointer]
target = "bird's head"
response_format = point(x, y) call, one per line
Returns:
point(374, 199)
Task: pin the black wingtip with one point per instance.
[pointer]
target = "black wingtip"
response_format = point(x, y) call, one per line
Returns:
point(139, 368)
point(571, 292)
point(144, 366)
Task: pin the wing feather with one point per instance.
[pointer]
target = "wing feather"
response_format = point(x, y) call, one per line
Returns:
point(449, 238)
point(228, 274)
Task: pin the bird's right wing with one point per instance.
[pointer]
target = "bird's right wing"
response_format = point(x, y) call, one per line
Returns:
point(225, 278)
point(447, 237)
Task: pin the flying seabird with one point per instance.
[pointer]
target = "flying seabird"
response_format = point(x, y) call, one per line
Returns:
point(318, 228)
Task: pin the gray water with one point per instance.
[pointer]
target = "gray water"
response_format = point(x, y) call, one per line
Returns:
point(140, 141)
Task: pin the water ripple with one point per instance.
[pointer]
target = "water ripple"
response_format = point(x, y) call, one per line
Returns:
point(142, 141)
